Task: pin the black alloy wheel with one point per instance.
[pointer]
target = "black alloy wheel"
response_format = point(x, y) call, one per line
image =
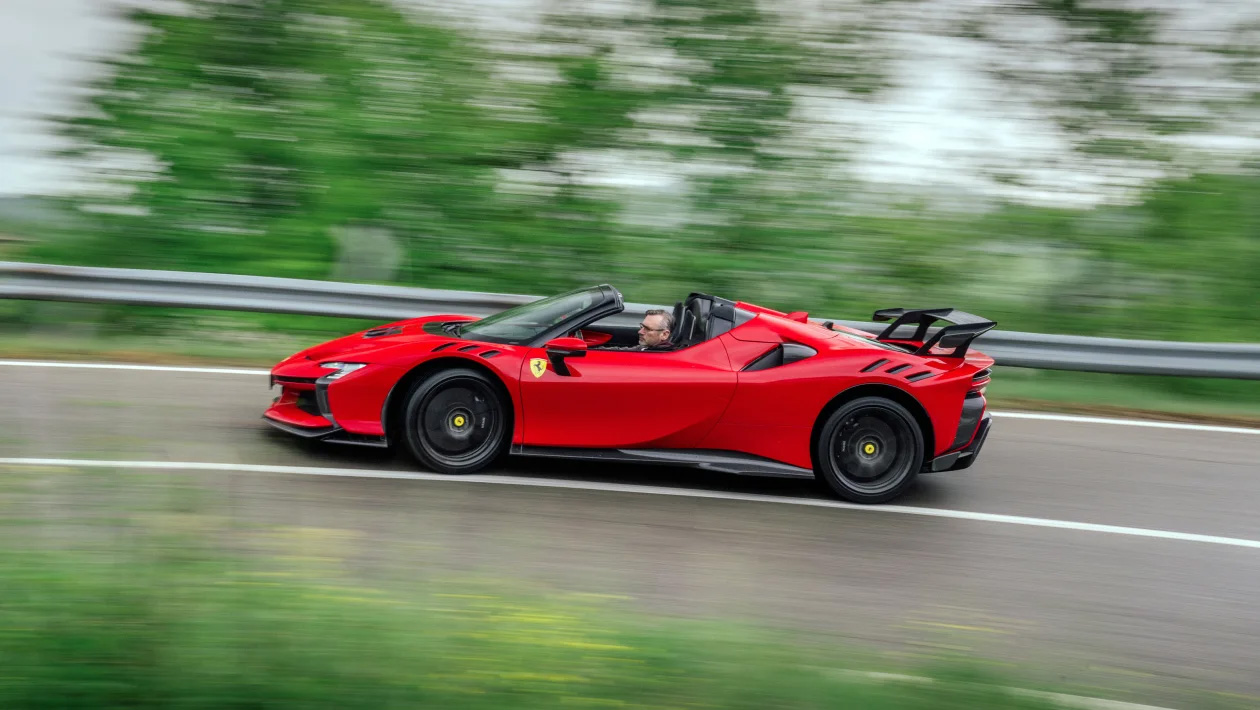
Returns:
point(456, 421)
point(869, 450)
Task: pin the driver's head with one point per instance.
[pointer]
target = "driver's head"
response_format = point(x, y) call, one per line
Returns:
point(655, 328)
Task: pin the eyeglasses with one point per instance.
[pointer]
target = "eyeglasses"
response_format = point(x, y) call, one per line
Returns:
point(643, 326)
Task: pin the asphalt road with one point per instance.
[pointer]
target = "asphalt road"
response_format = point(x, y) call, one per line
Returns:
point(1150, 617)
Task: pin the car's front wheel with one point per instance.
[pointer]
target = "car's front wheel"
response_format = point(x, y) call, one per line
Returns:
point(869, 450)
point(456, 421)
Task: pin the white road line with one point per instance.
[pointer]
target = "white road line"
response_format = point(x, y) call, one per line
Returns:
point(1008, 415)
point(1125, 422)
point(534, 482)
point(149, 368)
point(1067, 701)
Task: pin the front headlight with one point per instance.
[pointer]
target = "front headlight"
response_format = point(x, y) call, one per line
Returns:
point(342, 369)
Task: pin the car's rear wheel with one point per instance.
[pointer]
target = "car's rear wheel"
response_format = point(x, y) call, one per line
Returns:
point(456, 421)
point(869, 450)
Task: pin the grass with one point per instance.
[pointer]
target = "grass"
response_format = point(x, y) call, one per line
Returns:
point(170, 623)
point(129, 590)
point(148, 633)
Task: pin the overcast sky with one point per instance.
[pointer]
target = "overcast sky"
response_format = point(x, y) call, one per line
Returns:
point(943, 108)
point(38, 43)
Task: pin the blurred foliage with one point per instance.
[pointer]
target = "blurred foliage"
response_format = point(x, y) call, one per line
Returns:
point(344, 139)
point(163, 620)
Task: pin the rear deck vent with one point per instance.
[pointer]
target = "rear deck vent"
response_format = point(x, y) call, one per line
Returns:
point(919, 375)
point(443, 346)
point(874, 365)
point(466, 348)
point(489, 354)
point(899, 368)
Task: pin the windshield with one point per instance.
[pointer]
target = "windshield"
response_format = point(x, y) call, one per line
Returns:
point(524, 323)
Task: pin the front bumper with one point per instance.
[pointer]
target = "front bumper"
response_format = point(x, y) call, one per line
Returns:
point(965, 457)
point(302, 410)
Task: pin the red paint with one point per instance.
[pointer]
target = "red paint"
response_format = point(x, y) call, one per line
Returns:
point(697, 397)
point(595, 338)
point(620, 399)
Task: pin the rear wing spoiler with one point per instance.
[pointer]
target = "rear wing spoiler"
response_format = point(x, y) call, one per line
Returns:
point(965, 327)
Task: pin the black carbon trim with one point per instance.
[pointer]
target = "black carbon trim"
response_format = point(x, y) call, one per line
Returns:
point(301, 431)
point(770, 358)
point(968, 456)
point(712, 460)
point(873, 365)
point(942, 463)
point(306, 402)
point(321, 399)
point(345, 437)
point(779, 355)
point(330, 434)
point(972, 410)
point(959, 460)
point(294, 380)
point(795, 352)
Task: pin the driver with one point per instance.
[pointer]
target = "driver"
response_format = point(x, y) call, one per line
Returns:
point(655, 330)
point(654, 333)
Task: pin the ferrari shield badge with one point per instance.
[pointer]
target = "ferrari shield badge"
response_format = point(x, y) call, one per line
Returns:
point(538, 366)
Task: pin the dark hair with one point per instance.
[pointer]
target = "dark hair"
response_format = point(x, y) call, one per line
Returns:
point(669, 317)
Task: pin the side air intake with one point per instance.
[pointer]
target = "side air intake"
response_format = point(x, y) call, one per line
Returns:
point(781, 355)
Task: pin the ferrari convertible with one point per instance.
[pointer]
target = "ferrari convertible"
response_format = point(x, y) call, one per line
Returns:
point(739, 388)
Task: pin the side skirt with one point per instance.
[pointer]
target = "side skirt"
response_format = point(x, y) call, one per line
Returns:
point(710, 460)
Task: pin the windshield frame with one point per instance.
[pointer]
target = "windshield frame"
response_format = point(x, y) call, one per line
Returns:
point(605, 301)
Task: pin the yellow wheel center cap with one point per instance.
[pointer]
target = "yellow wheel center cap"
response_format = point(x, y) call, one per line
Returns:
point(459, 421)
point(869, 449)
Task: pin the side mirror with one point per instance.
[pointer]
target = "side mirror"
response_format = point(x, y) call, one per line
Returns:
point(566, 347)
point(560, 348)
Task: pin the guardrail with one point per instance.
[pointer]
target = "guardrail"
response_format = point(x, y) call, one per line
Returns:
point(327, 298)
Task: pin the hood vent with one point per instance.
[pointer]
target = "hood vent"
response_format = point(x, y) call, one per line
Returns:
point(378, 332)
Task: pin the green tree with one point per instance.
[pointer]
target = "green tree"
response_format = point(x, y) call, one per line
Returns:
point(258, 128)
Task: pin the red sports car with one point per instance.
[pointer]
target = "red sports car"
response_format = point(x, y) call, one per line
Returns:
point(739, 388)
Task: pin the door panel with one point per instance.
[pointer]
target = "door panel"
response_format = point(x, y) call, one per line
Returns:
point(621, 399)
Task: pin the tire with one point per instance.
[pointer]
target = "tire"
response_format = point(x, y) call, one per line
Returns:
point(456, 421)
point(869, 450)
